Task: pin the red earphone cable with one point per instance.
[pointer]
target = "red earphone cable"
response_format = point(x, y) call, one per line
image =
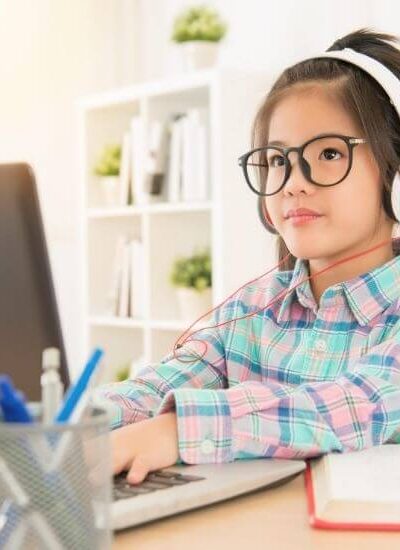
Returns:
point(177, 343)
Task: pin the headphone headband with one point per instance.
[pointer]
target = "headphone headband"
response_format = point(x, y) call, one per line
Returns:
point(384, 76)
point(387, 80)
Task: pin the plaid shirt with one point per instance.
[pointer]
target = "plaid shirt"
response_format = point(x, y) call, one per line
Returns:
point(293, 381)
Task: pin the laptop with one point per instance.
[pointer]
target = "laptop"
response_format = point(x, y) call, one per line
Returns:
point(185, 487)
point(29, 322)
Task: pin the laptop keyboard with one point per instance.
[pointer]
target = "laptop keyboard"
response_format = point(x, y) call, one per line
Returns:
point(154, 481)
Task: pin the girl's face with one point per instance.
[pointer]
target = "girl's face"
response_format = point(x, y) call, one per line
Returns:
point(350, 210)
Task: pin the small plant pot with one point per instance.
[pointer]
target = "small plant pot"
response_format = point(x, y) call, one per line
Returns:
point(199, 54)
point(109, 187)
point(192, 303)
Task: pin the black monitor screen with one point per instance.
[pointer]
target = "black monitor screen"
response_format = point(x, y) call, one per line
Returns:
point(29, 318)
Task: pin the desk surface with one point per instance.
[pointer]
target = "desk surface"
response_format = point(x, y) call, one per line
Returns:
point(274, 518)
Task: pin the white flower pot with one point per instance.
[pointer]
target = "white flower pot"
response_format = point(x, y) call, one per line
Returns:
point(192, 303)
point(109, 187)
point(199, 54)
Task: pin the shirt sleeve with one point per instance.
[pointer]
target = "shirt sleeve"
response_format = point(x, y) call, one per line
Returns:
point(140, 398)
point(254, 419)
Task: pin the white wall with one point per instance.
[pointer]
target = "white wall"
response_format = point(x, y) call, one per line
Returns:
point(262, 33)
point(53, 51)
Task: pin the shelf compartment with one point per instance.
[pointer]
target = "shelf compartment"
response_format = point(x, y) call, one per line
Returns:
point(102, 243)
point(173, 231)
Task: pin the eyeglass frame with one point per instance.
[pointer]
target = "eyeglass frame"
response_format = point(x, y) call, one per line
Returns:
point(351, 142)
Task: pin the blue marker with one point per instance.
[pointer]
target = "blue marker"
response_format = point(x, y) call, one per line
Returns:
point(12, 403)
point(75, 392)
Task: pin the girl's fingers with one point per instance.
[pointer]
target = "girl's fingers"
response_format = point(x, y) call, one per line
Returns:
point(119, 463)
point(120, 460)
point(138, 470)
point(119, 451)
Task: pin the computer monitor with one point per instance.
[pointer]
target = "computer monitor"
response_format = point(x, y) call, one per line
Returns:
point(29, 318)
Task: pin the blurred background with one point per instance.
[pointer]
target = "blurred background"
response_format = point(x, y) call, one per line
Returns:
point(80, 76)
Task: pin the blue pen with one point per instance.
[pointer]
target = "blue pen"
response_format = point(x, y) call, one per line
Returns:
point(75, 392)
point(12, 402)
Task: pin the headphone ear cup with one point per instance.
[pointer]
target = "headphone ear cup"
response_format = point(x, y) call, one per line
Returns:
point(395, 196)
point(264, 217)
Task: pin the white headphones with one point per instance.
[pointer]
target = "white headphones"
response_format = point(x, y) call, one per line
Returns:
point(388, 81)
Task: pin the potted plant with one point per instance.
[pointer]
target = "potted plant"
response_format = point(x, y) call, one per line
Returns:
point(198, 31)
point(191, 276)
point(107, 169)
point(123, 372)
point(127, 369)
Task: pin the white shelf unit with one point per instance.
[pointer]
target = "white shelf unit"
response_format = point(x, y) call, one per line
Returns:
point(227, 223)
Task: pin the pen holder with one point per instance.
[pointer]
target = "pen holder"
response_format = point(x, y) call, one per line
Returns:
point(55, 484)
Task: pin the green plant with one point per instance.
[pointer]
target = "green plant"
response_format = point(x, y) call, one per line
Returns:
point(192, 271)
point(123, 373)
point(198, 23)
point(109, 161)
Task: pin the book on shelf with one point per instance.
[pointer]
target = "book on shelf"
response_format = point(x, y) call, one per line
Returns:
point(124, 287)
point(156, 156)
point(126, 296)
point(195, 155)
point(188, 157)
point(116, 276)
point(138, 150)
point(174, 163)
point(125, 169)
point(355, 490)
point(137, 280)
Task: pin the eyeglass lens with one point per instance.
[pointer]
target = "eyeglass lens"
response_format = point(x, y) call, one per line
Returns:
point(325, 159)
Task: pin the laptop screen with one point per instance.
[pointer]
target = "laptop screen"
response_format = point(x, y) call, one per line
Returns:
point(29, 318)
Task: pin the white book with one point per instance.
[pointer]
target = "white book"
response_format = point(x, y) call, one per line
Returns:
point(123, 303)
point(153, 145)
point(203, 154)
point(355, 488)
point(137, 279)
point(116, 277)
point(137, 160)
point(195, 156)
point(189, 167)
point(155, 166)
point(175, 162)
point(125, 171)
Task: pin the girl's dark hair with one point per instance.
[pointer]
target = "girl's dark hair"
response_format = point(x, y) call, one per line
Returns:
point(359, 93)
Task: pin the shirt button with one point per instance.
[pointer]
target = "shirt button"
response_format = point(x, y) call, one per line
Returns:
point(207, 446)
point(320, 345)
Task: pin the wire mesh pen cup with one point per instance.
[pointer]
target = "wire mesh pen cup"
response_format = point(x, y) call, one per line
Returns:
point(55, 484)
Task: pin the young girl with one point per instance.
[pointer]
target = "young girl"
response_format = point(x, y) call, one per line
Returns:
point(297, 366)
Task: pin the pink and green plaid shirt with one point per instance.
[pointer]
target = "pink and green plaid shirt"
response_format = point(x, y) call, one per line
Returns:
point(294, 381)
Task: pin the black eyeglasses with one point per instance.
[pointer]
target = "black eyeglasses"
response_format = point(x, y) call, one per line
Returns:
point(325, 160)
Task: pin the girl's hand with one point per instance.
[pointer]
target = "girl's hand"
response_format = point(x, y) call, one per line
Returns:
point(145, 446)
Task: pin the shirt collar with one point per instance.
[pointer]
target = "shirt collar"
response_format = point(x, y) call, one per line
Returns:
point(367, 294)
